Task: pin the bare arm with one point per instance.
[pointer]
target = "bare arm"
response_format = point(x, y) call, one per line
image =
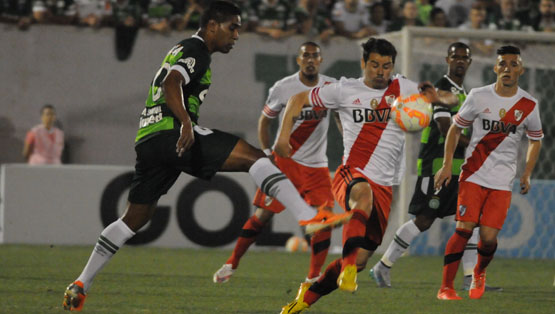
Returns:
point(292, 110)
point(531, 158)
point(443, 123)
point(264, 133)
point(440, 97)
point(27, 148)
point(444, 174)
point(174, 99)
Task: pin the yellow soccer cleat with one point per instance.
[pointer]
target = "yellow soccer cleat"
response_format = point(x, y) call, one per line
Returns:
point(74, 297)
point(347, 280)
point(294, 307)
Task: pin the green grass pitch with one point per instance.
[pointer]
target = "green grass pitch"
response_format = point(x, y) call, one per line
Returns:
point(153, 280)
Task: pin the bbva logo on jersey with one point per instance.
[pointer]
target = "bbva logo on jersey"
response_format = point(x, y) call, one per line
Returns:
point(498, 126)
point(370, 115)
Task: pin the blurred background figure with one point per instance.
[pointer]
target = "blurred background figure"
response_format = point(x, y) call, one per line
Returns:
point(350, 19)
point(507, 18)
point(409, 17)
point(545, 20)
point(378, 22)
point(16, 12)
point(44, 143)
point(438, 18)
point(476, 21)
point(55, 11)
point(273, 18)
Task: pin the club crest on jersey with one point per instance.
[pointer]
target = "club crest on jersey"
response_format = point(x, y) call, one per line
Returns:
point(462, 210)
point(374, 103)
point(518, 115)
point(190, 63)
point(502, 113)
point(390, 99)
point(268, 200)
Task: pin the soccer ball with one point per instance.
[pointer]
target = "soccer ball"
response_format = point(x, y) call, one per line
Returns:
point(296, 244)
point(412, 113)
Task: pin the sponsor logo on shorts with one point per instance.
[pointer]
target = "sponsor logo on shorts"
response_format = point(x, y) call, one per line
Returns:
point(268, 200)
point(434, 203)
point(462, 210)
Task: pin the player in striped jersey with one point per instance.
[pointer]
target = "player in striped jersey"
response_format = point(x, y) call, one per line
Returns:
point(307, 167)
point(427, 205)
point(170, 141)
point(373, 159)
point(500, 114)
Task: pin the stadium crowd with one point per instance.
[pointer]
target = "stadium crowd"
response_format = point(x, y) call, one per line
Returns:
point(283, 18)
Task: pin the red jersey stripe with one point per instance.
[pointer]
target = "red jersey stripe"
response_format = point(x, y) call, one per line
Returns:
point(371, 132)
point(302, 133)
point(492, 140)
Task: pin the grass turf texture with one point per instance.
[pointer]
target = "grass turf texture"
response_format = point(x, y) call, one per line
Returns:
point(153, 280)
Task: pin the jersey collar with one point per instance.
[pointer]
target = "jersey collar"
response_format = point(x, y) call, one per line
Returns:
point(197, 37)
point(454, 84)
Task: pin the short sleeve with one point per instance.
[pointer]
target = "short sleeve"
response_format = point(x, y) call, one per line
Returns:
point(325, 97)
point(468, 112)
point(533, 125)
point(274, 103)
point(191, 64)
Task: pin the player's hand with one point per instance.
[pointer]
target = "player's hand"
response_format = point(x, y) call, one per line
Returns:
point(441, 177)
point(427, 90)
point(186, 139)
point(283, 149)
point(524, 184)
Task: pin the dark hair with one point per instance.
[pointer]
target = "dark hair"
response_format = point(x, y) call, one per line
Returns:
point(47, 106)
point(219, 11)
point(508, 50)
point(380, 46)
point(457, 45)
point(375, 5)
point(436, 11)
point(309, 43)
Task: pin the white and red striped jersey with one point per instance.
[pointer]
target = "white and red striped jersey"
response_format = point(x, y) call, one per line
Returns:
point(498, 125)
point(309, 135)
point(373, 144)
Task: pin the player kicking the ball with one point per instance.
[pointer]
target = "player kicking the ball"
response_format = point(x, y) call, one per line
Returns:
point(307, 167)
point(372, 162)
point(170, 141)
point(499, 114)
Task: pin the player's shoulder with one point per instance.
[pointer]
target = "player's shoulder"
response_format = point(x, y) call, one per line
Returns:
point(527, 95)
point(443, 84)
point(285, 83)
point(348, 81)
point(483, 91)
point(324, 79)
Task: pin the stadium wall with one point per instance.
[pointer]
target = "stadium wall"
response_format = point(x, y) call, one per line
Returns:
point(70, 205)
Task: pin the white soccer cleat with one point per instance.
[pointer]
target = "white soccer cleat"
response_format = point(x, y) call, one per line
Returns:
point(223, 274)
point(380, 274)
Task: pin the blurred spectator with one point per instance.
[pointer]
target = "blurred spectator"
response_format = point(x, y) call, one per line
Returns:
point(477, 18)
point(322, 23)
point(438, 18)
point(507, 19)
point(545, 21)
point(409, 17)
point(350, 19)
point(424, 10)
point(378, 23)
point(92, 12)
point(44, 142)
point(273, 18)
point(158, 16)
point(127, 18)
point(55, 11)
point(456, 10)
point(17, 12)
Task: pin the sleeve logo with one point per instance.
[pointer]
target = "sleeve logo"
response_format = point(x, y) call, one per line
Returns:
point(190, 63)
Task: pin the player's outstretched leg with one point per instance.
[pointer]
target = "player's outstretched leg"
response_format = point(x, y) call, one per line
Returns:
point(453, 253)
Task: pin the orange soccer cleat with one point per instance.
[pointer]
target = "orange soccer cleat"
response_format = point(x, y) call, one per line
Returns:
point(74, 297)
point(448, 294)
point(478, 285)
point(324, 219)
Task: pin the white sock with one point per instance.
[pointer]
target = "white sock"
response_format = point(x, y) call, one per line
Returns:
point(275, 184)
point(470, 256)
point(403, 237)
point(109, 242)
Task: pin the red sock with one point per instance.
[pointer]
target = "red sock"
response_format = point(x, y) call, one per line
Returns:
point(326, 284)
point(320, 244)
point(485, 255)
point(353, 236)
point(453, 253)
point(250, 230)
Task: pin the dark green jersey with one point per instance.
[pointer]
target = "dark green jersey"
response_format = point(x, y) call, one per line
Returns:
point(430, 158)
point(191, 58)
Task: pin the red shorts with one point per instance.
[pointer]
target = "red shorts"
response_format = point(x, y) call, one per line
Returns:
point(314, 185)
point(343, 181)
point(481, 205)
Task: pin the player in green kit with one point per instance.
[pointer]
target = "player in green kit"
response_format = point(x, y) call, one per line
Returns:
point(170, 141)
point(427, 204)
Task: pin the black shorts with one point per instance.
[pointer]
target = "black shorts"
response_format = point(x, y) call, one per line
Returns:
point(426, 202)
point(158, 166)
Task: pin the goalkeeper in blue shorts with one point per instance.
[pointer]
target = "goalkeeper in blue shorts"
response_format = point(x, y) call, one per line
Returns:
point(427, 204)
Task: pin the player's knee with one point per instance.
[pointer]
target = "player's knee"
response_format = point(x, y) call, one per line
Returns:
point(360, 197)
